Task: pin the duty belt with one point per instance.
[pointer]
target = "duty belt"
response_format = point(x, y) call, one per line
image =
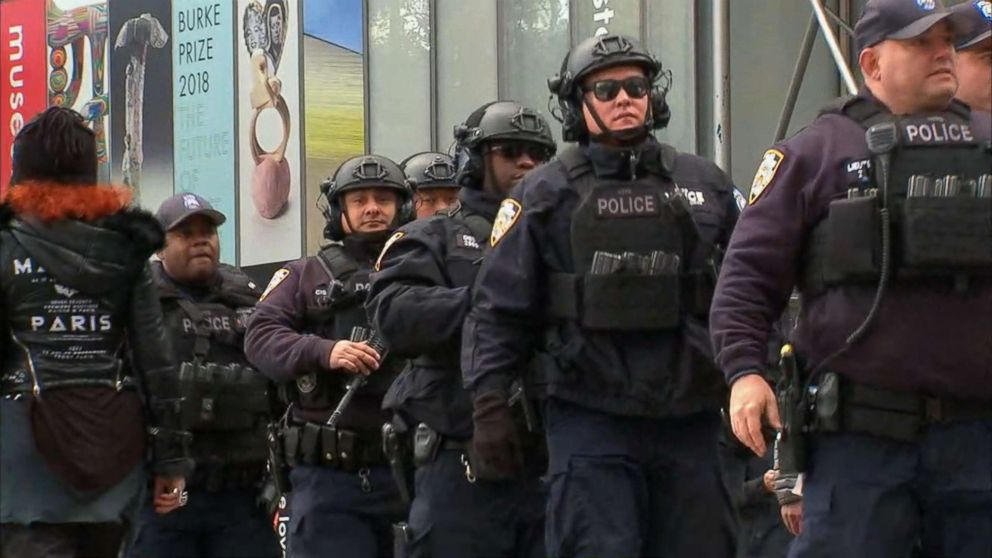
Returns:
point(315, 444)
point(898, 415)
point(226, 477)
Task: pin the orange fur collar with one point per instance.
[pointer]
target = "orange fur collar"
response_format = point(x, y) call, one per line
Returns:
point(50, 201)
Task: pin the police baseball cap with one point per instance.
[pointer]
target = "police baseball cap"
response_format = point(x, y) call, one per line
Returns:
point(180, 207)
point(897, 19)
point(976, 22)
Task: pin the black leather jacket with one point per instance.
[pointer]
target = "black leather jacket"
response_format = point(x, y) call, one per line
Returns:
point(78, 308)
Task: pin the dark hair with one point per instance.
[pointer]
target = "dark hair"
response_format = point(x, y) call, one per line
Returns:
point(55, 146)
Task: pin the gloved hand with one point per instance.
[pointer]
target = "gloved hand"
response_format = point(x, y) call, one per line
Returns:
point(495, 453)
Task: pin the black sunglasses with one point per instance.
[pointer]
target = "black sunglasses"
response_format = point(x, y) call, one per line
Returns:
point(514, 150)
point(608, 89)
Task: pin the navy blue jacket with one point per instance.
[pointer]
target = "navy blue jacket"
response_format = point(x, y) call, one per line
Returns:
point(419, 298)
point(507, 332)
point(927, 338)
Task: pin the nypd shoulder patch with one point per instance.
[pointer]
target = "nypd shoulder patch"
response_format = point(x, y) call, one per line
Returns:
point(509, 214)
point(392, 240)
point(277, 277)
point(770, 162)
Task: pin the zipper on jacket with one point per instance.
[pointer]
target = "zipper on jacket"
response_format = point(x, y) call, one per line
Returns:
point(35, 386)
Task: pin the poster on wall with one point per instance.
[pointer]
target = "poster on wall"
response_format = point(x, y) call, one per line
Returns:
point(77, 35)
point(334, 96)
point(203, 108)
point(23, 85)
point(140, 63)
point(270, 194)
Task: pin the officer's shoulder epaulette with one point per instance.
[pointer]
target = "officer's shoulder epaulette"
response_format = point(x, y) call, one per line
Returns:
point(706, 171)
point(236, 283)
point(543, 187)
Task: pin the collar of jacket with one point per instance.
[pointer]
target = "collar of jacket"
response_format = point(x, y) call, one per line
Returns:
point(49, 201)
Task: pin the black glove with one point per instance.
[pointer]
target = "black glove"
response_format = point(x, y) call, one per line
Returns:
point(495, 453)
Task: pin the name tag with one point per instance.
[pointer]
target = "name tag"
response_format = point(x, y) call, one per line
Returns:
point(935, 131)
point(625, 203)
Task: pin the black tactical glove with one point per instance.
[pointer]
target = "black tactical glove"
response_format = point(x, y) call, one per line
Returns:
point(495, 453)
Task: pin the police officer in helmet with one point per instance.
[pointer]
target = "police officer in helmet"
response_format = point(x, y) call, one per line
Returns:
point(599, 279)
point(225, 402)
point(432, 177)
point(880, 213)
point(420, 296)
point(310, 333)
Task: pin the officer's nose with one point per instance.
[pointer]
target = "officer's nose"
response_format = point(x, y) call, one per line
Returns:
point(525, 161)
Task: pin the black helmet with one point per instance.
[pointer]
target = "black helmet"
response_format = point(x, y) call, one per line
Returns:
point(598, 53)
point(364, 171)
point(430, 170)
point(498, 120)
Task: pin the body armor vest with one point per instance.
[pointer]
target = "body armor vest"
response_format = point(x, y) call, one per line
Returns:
point(635, 249)
point(222, 396)
point(335, 309)
point(938, 193)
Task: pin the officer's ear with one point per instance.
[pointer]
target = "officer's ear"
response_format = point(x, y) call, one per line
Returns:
point(869, 60)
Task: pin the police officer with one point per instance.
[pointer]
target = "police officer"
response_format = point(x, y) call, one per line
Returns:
point(432, 177)
point(225, 402)
point(886, 233)
point(80, 332)
point(303, 334)
point(974, 48)
point(601, 270)
point(419, 299)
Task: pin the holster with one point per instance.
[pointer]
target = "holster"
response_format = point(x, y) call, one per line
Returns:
point(790, 445)
point(278, 468)
point(398, 453)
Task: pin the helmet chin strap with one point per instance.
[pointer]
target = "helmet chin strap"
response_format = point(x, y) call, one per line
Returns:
point(625, 137)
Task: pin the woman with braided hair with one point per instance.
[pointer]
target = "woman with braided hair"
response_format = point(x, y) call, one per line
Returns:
point(80, 329)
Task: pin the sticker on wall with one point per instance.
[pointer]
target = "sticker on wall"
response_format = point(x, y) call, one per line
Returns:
point(141, 61)
point(268, 105)
point(75, 80)
point(334, 97)
point(23, 84)
point(202, 98)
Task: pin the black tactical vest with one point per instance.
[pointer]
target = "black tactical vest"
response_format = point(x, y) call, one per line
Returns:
point(938, 196)
point(635, 251)
point(334, 309)
point(222, 394)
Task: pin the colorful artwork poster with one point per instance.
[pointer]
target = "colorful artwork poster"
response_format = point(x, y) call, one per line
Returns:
point(141, 114)
point(334, 96)
point(23, 84)
point(77, 35)
point(203, 111)
point(269, 141)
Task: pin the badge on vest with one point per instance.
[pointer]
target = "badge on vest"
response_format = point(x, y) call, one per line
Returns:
point(858, 172)
point(509, 214)
point(278, 277)
point(770, 163)
point(306, 383)
point(396, 236)
point(934, 130)
point(626, 203)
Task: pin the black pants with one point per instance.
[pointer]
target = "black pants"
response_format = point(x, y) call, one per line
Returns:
point(61, 540)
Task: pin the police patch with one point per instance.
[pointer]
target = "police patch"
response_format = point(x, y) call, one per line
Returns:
point(396, 236)
point(277, 277)
point(509, 213)
point(766, 172)
point(467, 241)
